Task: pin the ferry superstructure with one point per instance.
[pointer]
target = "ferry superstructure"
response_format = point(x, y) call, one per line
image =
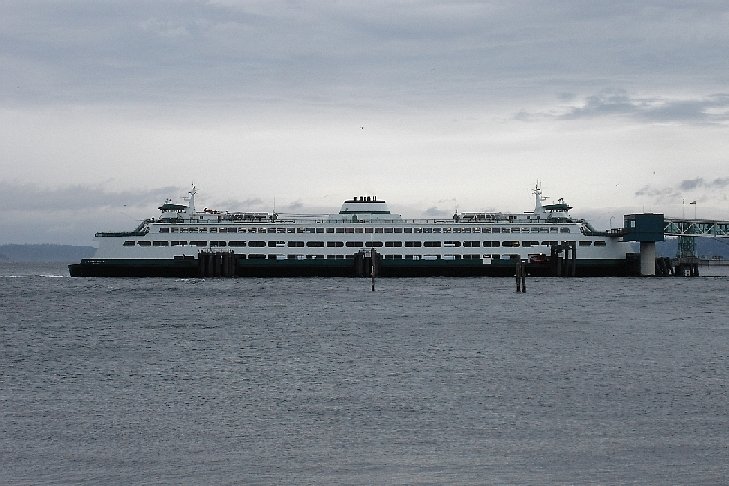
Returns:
point(185, 242)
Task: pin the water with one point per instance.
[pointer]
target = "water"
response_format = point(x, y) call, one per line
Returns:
point(311, 381)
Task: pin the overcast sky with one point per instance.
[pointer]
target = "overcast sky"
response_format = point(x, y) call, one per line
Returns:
point(107, 108)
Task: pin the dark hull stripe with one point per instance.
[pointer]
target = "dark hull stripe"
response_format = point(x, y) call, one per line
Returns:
point(341, 268)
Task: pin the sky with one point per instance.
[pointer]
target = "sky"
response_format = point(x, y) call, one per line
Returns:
point(108, 108)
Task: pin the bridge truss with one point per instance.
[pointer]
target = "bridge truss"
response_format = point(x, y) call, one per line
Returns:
point(695, 227)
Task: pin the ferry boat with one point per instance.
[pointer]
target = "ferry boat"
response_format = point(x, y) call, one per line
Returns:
point(362, 239)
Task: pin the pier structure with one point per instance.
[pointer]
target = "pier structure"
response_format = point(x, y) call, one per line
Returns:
point(649, 228)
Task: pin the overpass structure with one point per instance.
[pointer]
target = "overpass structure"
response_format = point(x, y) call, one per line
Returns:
point(695, 227)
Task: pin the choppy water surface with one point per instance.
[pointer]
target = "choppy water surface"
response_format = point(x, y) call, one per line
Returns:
point(310, 381)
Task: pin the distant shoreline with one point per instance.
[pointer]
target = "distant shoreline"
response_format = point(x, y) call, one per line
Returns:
point(25, 253)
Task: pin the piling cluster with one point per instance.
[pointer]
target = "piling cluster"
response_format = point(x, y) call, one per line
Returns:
point(216, 264)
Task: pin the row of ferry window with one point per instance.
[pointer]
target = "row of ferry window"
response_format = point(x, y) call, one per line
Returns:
point(363, 230)
point(494, 256)
point(357, 244)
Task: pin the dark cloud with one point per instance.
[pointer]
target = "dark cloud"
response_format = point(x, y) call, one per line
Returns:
point(617, 102)
point(697, 188)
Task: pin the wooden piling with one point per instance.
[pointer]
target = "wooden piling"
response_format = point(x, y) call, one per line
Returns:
point(520, 277)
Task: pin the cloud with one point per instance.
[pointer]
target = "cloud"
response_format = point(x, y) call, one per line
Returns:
point(615, 102)
point(80, 197)
point(698, 188)
point(382, 52)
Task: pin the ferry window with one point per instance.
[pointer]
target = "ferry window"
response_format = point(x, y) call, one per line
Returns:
point(175, 230)
point(280, 230)
point(215, 230)
point(472, 244)
point(349, 230)
point(203, 230)
point(161, 243)
point(199, 243)
point(466, 230)
point(217, 243)
point(301, 230)
point(355, 244)
point(564, 230)
point(526, 243)
point(388, 230)
point(164, 230)
point(359, 230)
point(456, 230)
point(553, 230)
point(413, 244)
point(257, 257)
point(476, 230)
point(334, 244)
point(427, 230)
point(549, 243)
point(179, 243)
point(510, 244)
point(585, 243)
point(276, 243)
point(393, 244)
point(311, 230)
point(340, 230)
point(378, 230)
point(320, 230)
point(491, 243)
point(237, 243)
point(600, 243)
point(446, 230)
point(315, 244)
point(144, 243)
point(290, 230)
point(451, 243)
point(398, 230)
point(257, 243)
point(505, 230)
point(418, 230)
point(129, 243)
point(330, 230)
point(407, 230)
point(496, 256)
point(294, 244)
point(485, 230)
point(271, 230)
point(431, 244)
point(372, 244)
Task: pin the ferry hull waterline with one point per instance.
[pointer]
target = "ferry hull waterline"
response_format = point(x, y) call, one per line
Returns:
point(363, 239)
